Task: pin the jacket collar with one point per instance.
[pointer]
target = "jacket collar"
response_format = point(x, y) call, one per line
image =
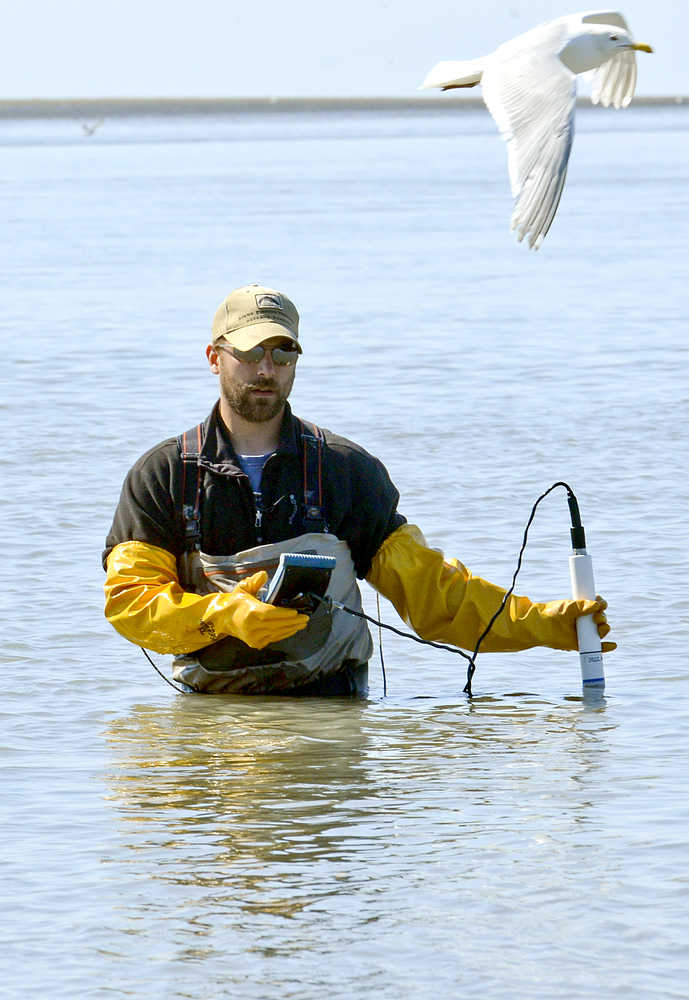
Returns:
point(217, 452)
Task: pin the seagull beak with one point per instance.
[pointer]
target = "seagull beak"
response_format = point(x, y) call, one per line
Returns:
point(641, 47)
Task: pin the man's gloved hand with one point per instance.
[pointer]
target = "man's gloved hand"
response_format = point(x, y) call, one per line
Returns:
point(601, 621)
point(258, 624)
point(558, 620)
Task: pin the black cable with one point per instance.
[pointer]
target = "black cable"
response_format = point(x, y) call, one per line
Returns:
point(167, 681)
point(391, 628)
point(380, 649)
point(574, 511)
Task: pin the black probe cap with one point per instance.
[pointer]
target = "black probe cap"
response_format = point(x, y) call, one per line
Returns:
point(577, 529)
point(578, 537)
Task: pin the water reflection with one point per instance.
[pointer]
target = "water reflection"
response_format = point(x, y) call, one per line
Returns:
point(268, 823)
point(280, 782)
point(257, 779)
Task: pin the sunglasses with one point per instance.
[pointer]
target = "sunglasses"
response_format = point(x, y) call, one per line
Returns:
point(280, 355)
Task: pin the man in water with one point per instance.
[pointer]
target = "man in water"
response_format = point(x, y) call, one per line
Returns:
point(203, 519)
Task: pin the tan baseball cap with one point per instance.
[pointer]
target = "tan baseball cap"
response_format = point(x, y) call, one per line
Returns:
point(252, 314)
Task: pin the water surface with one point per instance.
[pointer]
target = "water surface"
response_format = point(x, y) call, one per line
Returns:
point(417, 845)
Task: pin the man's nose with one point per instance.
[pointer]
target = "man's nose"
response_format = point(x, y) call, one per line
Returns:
point(266, 365)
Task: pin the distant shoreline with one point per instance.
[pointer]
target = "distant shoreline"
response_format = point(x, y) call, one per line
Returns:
point(133, 106)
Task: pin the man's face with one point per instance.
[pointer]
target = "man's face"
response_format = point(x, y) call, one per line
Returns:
point(257, 390)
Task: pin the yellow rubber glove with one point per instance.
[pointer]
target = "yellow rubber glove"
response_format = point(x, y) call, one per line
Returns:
point(146, 604)
point(442, 601)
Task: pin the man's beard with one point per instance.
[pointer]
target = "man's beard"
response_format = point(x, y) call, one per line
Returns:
point(253, 408)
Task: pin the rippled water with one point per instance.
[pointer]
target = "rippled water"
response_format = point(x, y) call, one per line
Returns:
point(521, 845)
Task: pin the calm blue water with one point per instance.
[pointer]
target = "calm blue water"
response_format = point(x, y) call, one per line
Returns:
point(522, 845)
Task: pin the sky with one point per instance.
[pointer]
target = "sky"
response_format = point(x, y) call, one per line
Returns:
point(302, 48)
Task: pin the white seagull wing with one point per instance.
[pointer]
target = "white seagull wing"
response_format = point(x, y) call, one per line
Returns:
point(604, 17)
point(615, 81)
point(531, 95)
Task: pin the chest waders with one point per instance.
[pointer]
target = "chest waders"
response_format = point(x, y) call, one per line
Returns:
point(329, 656)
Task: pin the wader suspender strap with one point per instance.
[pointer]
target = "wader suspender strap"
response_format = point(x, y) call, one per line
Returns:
point(312, 452)
point(190, 444)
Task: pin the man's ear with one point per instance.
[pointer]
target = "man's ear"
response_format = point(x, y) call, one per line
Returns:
point(212, 356)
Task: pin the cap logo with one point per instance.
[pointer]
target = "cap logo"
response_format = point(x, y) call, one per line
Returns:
point(269, 301)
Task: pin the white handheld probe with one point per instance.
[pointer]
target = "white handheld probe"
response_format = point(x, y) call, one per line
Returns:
point(581, 575)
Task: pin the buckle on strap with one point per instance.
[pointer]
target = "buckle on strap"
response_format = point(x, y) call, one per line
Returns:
point(312, 454)
point(190, 444)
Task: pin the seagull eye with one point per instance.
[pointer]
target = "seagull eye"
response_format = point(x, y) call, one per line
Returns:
point(614, 38)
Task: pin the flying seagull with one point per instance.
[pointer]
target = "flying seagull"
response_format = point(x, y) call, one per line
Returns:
point(90, 128)
point(530, 88)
